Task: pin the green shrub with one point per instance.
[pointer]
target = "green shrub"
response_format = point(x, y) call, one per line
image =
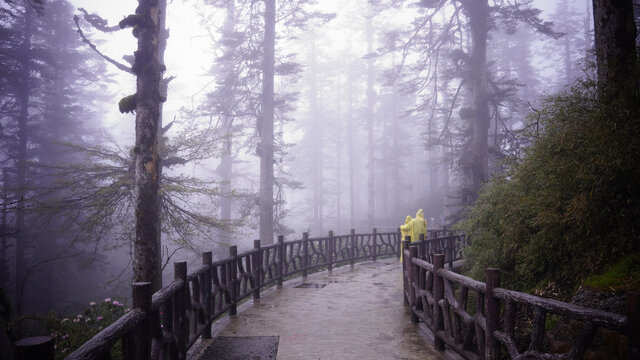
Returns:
point(570, 206)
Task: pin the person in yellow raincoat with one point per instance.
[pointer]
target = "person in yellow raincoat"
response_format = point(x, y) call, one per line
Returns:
point(405, 230)
point(418, 226)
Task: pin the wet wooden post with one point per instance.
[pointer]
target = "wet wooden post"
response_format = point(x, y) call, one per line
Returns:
point(138, 344)
point(633, 321)
point(305, 254)
point(257, 268)
point(398, 241)
point(352, 252)
point(374, 251)
point(36, 347)
point(232, 275)
point(207, 260)
point(492, 278)
point(438, 294)
point(405, 280)
point(280, 260)
point(449, 250)
point(413, 282)
point(180, 319)
point(422, 247)
point(329, 251)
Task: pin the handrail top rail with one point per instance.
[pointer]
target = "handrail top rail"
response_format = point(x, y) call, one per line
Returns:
point(600, 317)
point(109, 335)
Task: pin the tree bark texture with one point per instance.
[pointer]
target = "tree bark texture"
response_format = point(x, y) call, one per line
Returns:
point(266, 124)
point(370, 136)
point(615, 41)
point(24, 92)
point(148, 70)
point(226, 161)
point(477, 162)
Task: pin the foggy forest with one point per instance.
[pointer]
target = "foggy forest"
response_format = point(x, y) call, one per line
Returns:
point(138, 134)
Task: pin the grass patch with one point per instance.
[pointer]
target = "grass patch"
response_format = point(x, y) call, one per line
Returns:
point(621, 276)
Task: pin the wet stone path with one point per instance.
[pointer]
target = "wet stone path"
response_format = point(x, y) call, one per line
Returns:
point(348, 314)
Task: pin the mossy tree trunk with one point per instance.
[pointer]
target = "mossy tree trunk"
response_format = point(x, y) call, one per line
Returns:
point(148, 71)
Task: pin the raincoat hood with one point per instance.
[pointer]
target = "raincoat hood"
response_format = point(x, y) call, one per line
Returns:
point(408, 219)
point(420, 214)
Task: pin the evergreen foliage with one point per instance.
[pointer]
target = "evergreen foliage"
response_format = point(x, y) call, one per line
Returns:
point(570, 206)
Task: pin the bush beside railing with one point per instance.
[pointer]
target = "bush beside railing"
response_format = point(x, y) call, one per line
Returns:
point(164, 325)
point(488, 328)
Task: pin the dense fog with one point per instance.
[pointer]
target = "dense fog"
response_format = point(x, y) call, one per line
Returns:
point(373, 118)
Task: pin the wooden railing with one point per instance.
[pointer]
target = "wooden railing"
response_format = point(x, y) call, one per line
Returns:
point(164, 325)
point(483, 321)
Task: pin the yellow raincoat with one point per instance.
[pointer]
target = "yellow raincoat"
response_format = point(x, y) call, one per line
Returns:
point(405, 230)
point(418, 226)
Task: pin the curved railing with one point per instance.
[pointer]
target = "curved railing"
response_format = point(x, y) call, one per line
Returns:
point(483, 321)
point(164, 325)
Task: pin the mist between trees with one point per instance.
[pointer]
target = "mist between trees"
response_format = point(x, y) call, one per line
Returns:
point(297, 116)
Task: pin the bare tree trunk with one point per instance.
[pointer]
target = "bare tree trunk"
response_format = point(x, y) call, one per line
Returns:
point(266, 125)
point(316, 140)
point(338, 154)
point(148, 70)
point(21, 178)
point(352, 154)
point(478, 155)
point(615, 41)
point(226, 163)
point(370, 103)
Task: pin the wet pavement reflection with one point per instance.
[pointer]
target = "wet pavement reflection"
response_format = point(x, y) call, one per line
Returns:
point(347, 314)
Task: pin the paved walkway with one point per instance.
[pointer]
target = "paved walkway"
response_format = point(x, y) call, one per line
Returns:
point(349, 314)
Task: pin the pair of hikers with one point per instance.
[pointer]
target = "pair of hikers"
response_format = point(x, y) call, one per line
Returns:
point(414, 227)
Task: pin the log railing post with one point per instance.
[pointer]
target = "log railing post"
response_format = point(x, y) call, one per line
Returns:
point(181, 321)
point(305, 254)
point(207, 259)
point(257, 268)
point(375, 244)
point(633, 323)
point(329, 251)
point(232, 274)
point(492, 278)
point(352, 252)
point(37, 347)
point(280, 260)
point(449, 248)
point(422, 247)
point(413, 282)
point(438, 294)
point(140, 345)
point(405, 278)
point(398, 242)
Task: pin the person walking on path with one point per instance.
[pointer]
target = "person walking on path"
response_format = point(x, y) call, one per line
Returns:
point(418, 226)
point(405, 230)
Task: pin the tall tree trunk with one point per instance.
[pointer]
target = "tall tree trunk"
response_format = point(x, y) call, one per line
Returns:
point(316, 140)
point(615, 42)
point(338, 135)
point(226, 162)
point(370, 104)
point(266, 124)
point(396, 128)
point(148, 70)
point(163, 36)
point(24, 92)
point(351, 152)
point(478, 155)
